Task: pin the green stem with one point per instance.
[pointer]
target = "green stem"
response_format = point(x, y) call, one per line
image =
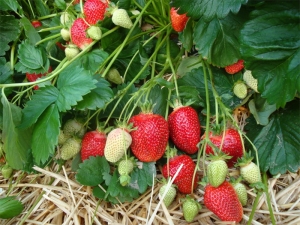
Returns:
point(47, 17)
point(265, 182)
point(50, 28)
point(47, 39)
point(254, 206)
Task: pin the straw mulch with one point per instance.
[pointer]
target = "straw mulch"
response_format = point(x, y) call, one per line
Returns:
point(67, 202)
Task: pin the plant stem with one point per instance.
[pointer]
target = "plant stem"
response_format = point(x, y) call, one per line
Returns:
point(254, 206)
point(265, 182)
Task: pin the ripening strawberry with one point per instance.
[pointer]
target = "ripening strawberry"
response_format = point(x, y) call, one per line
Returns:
point(94, 10)
point(224, 202)
point(235, 68)
point(117, 142)
point(190, 208)
point(184, 179)
point(93, 144)
point(217, 171)
point(170, 195)
point(150, 138)
point(184, 127)
point(74, 127)
point(36, 23)
point(232, 144)
point(31, 77)
point(70, 148)
point(121, 18)
point(178, 21)
point(78, 33)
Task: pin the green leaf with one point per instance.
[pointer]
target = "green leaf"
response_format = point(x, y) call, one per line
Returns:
point(278, 141)
point(10, 207)
point(42, 8)
point(98, 97)
point(10, 30)
point(208, 9)
point(45, 134)
point(217, 40)
point(32, 59)
point(92, 60)
point(39, 102)
point(261, 110)
point(91, 171)
point(61, 4)
point(186, 36)
point(5, 74)
point(16, 142)
point(73, 83)
point(271, 49)
point(9, 5)
point(30, 32)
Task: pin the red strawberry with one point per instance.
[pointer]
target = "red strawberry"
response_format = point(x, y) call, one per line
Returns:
point(31, 77)
point(232, 145)
point(78, 33)
point(184, 127)
point(178, 20)
point(236, 67)
point(150, 138)
point(184, 178)
point(93, 144)
point(224, 202)
point(94, 10)
point(36, 23)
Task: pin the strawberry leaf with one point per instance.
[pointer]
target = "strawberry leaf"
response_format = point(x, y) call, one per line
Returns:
point(16, 141)
point(42, 98)
point(217, 40)
point(278, 141)
point(91, 171)
point(73, 83)
point(30, 32)
point(9, 5)
point(208, 9)
point(10, 30)
point(271, 49)
point(45, 134)
point(98, 97)
point(5, 74)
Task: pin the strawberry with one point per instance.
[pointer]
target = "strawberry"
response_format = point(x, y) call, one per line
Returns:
point(170, 194)
point(74, 127)
point(70, 148)
point(114, 76)
point(240, 89)
point(241, 191)
point(184, 127)
point(78, 33)
point(121, 18)
point(150, 136)
point(66, 19)
point(71, 51)
point(190, 208)
point(184, 179)
point(93, 144)
point(6, 171)
point(249, 170)
point(216, 172)
point(94, 32)
point(31, 77)
point(232, 145)
point(235, 68)
point(250, 80)
point(94, 10)
point(36, 23)
point(125, 167)
point(224, 202)
point(178, 21)
point(62, 137)
point(65, 34)
point(117, 142)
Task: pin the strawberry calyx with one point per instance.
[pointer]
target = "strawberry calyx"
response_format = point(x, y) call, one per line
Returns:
point(170, 153)
point(245, 160)
point(218, 156)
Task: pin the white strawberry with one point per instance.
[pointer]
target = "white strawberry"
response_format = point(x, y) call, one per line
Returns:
point(121, 18)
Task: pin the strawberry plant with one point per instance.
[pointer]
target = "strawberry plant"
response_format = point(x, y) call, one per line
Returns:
point(67, 66)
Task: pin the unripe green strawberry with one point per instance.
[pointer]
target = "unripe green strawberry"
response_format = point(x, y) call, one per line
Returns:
point(71, 51)
point(66, 19)
point(62, 138)
point(70, 148)
point(120, 18)
point(216, 172)
point(94, 32)
point(240, 90)
point(114, 76)
point(6, 171)
point(250, 80)
point(190, 208)
point(125, 166)
point(74, 127)
point(170, 195)
point(117, 143)
point(241, 192)
point(65, 34)
point(251, 173)
point(10, 207)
